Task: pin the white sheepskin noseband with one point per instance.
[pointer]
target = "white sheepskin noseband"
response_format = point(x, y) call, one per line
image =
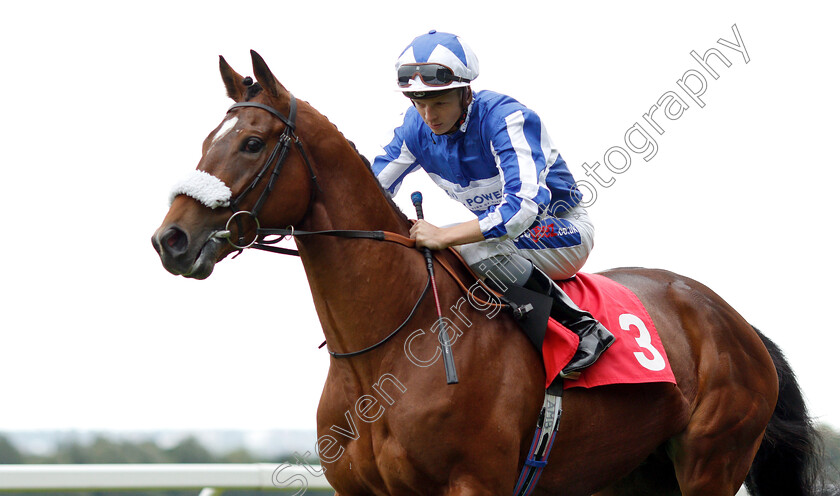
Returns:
point(206, 188)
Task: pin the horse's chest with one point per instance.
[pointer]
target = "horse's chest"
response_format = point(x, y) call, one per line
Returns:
point(362, 444)
point(356, 456)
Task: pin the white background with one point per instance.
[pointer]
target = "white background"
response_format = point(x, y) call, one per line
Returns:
point(105, 106)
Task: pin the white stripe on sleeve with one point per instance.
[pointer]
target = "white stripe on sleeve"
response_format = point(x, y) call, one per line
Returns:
point(395, 169)
point(529, 188)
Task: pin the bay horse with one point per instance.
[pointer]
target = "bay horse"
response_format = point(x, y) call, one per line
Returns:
point(387, 422)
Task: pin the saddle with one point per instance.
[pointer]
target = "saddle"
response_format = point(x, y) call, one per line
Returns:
point(636, 357)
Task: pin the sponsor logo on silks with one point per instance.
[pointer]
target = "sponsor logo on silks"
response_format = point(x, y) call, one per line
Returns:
point(483, 200)
point(540, 232)
point(551, 233)
point(477, 195)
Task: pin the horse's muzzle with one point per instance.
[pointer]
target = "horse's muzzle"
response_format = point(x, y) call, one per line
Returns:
point(182, 257)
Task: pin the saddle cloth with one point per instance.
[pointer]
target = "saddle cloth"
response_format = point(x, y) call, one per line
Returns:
point(637, 355)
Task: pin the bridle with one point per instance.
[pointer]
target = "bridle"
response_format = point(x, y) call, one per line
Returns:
point(277, 156)
point(261, 240)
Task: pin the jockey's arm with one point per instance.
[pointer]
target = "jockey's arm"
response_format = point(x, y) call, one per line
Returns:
point(438, 238)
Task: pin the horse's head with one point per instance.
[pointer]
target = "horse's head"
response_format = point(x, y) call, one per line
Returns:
point(251, 164)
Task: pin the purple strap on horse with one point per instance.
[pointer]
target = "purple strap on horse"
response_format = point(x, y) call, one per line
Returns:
point(543, 441)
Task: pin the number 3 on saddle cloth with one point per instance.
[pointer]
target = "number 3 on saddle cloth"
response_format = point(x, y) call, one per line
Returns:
point(636, 356)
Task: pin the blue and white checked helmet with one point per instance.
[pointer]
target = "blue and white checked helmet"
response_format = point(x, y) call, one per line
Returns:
point(435, 62)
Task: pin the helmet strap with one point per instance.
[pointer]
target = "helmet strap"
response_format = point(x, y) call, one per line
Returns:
point(466, 95)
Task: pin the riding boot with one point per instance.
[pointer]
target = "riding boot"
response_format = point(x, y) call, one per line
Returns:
point(594, 337)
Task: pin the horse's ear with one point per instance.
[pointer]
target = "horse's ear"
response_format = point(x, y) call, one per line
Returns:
point(265, 77)
point(233, 81)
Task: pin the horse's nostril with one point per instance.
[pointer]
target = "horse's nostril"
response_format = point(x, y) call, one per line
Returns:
point(174, 241)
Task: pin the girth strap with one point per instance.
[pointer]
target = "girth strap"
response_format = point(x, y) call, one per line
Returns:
point(543, 441)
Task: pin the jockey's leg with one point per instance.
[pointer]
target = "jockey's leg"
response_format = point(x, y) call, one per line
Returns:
point(515, 269)
point(594, 337)
point(535, 266)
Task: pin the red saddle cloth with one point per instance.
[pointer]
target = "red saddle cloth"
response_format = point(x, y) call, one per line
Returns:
point(637, 356)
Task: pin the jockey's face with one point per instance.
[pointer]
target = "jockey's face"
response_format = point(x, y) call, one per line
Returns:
point(440, 113)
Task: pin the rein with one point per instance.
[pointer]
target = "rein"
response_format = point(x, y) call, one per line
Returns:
point(261, 242)
point(266, 245)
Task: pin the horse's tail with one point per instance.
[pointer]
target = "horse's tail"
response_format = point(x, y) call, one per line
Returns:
point(789, 460)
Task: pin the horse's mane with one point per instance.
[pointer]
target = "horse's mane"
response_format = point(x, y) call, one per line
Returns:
point(254, 88)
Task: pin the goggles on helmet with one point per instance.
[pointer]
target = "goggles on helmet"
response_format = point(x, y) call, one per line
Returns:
point(430, 74)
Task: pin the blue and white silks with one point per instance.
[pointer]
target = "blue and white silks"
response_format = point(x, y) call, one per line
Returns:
point(500, 164)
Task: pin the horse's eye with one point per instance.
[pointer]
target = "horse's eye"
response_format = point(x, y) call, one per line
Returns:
point(253, 145)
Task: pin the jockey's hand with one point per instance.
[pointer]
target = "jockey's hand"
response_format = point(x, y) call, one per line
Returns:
point(438, 238)
point(429, 236)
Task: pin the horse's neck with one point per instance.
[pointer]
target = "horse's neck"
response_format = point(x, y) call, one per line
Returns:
point(351, 278)
point(348, 196)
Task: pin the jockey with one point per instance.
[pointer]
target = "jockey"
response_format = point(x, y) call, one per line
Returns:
point(492, 154)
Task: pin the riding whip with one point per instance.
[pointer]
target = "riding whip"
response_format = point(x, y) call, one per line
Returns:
point(443, 334)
